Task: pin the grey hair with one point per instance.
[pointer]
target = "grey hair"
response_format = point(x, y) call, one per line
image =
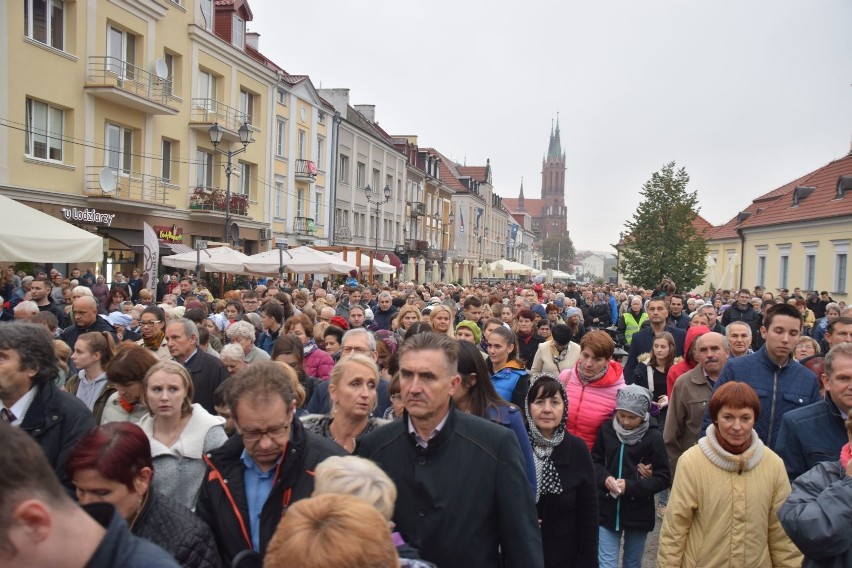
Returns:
point(34, 346)
point(28, 306)
point(84, 290)
point(841, 350)
point(385, 296)
point(233, 352)
point(240, 330)
point(189, 327)
point(371, 339)
point(742, 323)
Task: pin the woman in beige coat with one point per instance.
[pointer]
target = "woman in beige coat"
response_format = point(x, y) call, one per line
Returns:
point(723, 508)
point(557, 354)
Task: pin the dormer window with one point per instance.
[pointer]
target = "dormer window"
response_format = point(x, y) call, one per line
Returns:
point(238, 33)
point(844, 183)
point(800, 193)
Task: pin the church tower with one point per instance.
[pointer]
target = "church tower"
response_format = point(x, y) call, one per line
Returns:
point(553, 210)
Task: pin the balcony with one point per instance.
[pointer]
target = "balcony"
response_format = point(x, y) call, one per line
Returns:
point(132, 188)
point(213, 199)
point(304, 227)
point(418, 209)
point(207, 112)
point(119, 82)
point(413, 245)
point(306, 170)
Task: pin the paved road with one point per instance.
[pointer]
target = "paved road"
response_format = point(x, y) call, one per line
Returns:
point(650, 558)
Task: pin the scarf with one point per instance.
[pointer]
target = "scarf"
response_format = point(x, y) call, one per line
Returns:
point(586, 380)
point(126, 405)
point(845, 456)
point(724, 459)
point(630, 437)
point(560, 355)
point(154, 343)
point(310, 347)
point(547, 478)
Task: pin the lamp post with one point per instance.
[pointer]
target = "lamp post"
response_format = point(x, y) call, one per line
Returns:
point(444, 232)
point(479, 239)
point(369, 191)
point(216, 132)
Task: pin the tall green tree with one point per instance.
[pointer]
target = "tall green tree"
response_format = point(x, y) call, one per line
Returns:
point(557, 252)
point(661, 239)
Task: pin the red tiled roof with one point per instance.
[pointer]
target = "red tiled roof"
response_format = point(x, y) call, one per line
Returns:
point(449, 172)
point(533, 206)
point(821, 204)
point(476, 172)
point(702, 225)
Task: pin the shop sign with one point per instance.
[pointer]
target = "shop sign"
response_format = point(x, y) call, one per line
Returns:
point(173, 234)
point(88, 216)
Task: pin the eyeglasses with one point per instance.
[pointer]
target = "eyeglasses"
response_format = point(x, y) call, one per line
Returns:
point(149, 323)
point(277, 433)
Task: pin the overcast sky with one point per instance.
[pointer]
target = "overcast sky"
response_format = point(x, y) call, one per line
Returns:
point(746, 95)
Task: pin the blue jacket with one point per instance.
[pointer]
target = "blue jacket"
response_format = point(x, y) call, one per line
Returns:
point(811, 435)
point(266, 340)
point(512, 385)
point(382, 319)
point(781, 389)
point(511, 417)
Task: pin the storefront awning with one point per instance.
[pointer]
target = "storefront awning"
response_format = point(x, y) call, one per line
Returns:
point(130, 238)
point(176, 248)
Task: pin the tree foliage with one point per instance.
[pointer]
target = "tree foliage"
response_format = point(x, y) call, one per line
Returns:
point(557, 252)
point(661, 239)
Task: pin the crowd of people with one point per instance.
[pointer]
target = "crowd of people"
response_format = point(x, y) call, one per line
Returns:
point(522, 424)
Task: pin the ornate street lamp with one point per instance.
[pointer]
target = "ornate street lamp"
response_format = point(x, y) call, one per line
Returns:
point(216, 132)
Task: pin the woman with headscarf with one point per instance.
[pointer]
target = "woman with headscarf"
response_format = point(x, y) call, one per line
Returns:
point(566, 498)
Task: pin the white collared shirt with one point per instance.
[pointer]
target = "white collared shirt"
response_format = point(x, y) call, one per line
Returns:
point(423, 443)
point(19, 409)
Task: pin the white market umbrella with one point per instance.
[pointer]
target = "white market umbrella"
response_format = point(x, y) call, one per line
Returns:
point(217, 259)
point(436, 271)
point(421, 269)
point(511, 267)
point(379, 267)
point(409, 270)
point(499, 272)
point(452, 276)
point(465, 273)
point(28, 235)
point(299, 260)
point(485, 270)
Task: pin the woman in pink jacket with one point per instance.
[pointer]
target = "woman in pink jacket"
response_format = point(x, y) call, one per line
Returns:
point(317, 363)
point(592, 385)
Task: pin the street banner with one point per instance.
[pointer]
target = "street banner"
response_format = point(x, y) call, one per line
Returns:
point(151, 259)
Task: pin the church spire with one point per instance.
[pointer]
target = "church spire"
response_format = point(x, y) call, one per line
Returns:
point(554, 150)
point(521, 196)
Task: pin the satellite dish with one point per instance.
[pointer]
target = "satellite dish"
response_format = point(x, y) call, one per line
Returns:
point(161, 69)
point(106, 179)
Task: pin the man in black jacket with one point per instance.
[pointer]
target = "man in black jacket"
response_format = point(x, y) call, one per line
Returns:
point(41, 296)
point(30, 399)
point(86, 319)
point(463, 498)
point(643, 340)
point(743, 311)
point(207, 371)
point(265, 467)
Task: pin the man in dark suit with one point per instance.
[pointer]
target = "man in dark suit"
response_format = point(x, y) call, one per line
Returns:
point(207, 371)
point(643, 340)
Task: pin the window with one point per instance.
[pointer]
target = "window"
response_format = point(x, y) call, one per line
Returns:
point(361, 175)
point(207, 90)
point(281, 138)
point(320, 151)
point(376, 187)
point(300, 200)
point(344, 169)
point(761, 265)
point(247, 185)
point(121, 53)
point(204, 169)
point(119, 150)
point(166, 173)
point(810, 271)
point(784, 269)
point(317, 208)
point(44, 21)
point(238, 33)
point(207, 13)
point(168, 85)
point(44, 131)
point(279, 196)
point(281, 96)
point(840, 267)
point(302, 144)
point(321, 118)
point(388, 181)
point(246, 105)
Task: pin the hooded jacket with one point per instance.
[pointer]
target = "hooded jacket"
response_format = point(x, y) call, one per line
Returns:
point(780, 389)
point(688, 362)
point(511, 383)
point(590, 405)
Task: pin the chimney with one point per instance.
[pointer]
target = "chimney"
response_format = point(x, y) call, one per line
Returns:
point(369, 111)
point(253, 40)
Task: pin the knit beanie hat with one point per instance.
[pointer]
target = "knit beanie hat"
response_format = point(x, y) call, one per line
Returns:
point(340, 322)
point(634, 399)
point(473, 327)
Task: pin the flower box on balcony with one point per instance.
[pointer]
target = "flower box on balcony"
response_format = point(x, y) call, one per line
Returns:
point(213, 199)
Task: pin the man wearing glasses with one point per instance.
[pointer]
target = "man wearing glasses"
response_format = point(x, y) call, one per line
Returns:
point(264, 468)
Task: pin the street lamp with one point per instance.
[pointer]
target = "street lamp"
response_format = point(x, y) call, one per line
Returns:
point(369, 191)
point(216, 132)
point(479, 239)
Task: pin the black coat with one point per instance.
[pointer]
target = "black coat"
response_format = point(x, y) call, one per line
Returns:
point(176, 530)
point(62, 318)
point(72, 332)
point(121, 548)
point(208, 372)
point(636, 511)
point(224, 478)
point(569, 520)
point(465, 498)
point(527, 346)
point(643, 342)
point(57, 420)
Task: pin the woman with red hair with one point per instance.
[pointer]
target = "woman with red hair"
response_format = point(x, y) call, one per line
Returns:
point(113, 464)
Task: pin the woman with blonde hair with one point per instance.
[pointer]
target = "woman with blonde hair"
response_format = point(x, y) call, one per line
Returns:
point(407, 316)
point(180, 432)
point(353, 395)
point(441, 320)
point(92, 353)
